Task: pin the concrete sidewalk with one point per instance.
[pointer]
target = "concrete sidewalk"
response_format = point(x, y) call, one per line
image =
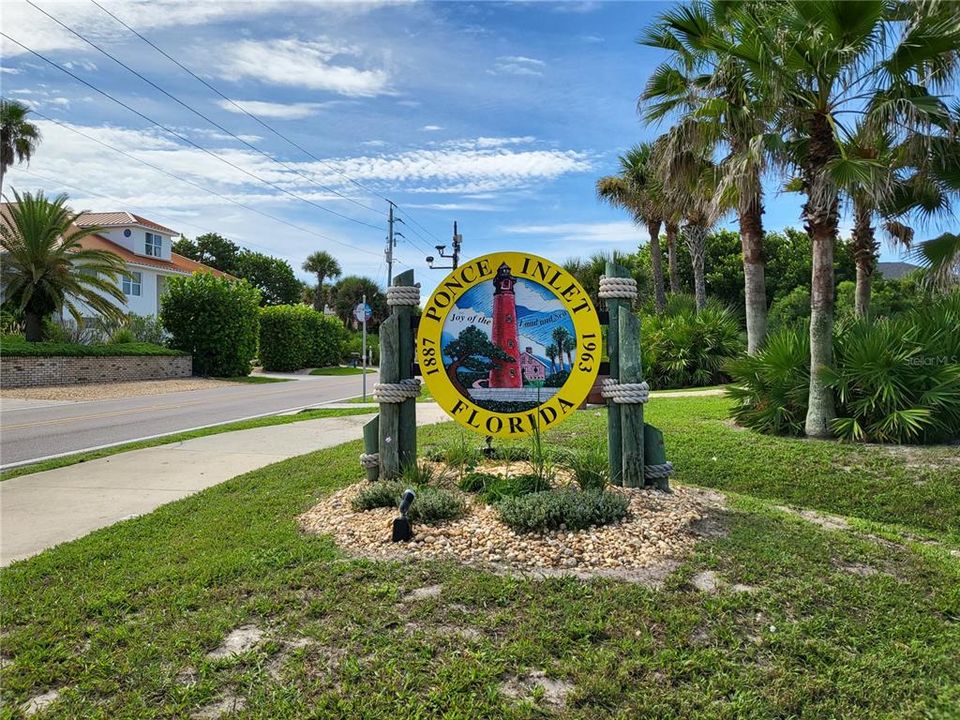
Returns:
point(44, 509)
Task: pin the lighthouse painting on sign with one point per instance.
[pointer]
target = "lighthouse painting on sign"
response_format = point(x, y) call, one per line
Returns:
point(509, 343)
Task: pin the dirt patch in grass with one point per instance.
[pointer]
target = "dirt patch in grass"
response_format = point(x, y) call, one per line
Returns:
point(239, 641)
point(643, 547)
point(925, 458)
point(536, 686)
point(229, 703)
point(827, 522)
point(39, 703)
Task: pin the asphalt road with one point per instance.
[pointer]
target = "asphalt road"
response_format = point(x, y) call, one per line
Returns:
point(55, 429)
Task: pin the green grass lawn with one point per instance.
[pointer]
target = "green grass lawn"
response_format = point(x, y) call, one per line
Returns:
point(340, 370)
point(120, 621)
point(178, 437)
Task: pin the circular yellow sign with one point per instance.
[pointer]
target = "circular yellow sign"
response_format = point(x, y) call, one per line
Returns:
point(509, 343)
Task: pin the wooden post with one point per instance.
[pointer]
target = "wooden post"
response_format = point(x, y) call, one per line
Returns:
point(389, 445)
point(407, 430)
point(614, 436)
point(631, 371)
point(654, 453)
point(371, 445)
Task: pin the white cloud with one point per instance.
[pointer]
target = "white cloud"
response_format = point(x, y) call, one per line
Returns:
point(466, 207)
point(81, 65)
point(431, 128)
point(285, 111)
point(622, 231)
point(301, 64)
point(374, 143)
point(9, 71)
point(518, 65)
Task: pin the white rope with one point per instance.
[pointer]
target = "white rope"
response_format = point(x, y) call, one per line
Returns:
point(370, 461)
point(658, 472)
point(617, 288)
point(626, 393)
point(403, 295)
point(396, 392)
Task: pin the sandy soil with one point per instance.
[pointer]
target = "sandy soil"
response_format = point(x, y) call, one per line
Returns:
point(112, 391)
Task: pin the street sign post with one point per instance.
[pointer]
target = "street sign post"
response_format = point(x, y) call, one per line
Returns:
point(362, 313)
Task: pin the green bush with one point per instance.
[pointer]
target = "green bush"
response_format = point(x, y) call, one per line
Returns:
point(297, 336)
point(788, 311)
point(686, 348)
point(493, 488)
point(432, 505)
point(895, 380)
point(574, 509)
point(214, 319)
point(122, 336)
point(146, 328)
point(16, 346)
point(352, 349)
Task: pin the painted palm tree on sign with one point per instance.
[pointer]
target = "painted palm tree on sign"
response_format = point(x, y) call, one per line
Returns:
point(561, 337)
point(721, 108)
point(552, 353)
point(638, 190)
point(824, 65)
point(19, 138)
point(45, 269)
point(324, 266)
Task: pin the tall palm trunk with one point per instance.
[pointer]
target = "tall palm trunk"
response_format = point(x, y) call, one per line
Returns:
point(755, 290)
point(820, 212)
point(318, 299)
point(656, 264)
point(865, 248)
point(696, 237)
point(672, 231)
point(32, 326)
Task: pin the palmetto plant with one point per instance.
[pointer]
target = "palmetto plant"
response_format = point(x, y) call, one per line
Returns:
point(940, 256)
point(45, 268)
point(18, 136)
point(638, 190)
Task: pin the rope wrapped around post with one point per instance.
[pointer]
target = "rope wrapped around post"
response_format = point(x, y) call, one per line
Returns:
point(658, 472)
point(617, 288)
point(369, 461)
point(625, 393)
point(397, 392)
point(399, 295)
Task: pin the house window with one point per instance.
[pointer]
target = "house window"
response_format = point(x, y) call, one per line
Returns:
point(132, 283)
point(154, 244)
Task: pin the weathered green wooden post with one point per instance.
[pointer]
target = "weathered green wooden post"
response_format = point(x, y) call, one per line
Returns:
point(632, 395)
point(370, 459)
point(617, 297)
point(397, 390)
point(657, 468)
point(406, 349)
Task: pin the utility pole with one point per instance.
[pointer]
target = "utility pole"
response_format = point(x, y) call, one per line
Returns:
point(390, 244)
point(454, 257)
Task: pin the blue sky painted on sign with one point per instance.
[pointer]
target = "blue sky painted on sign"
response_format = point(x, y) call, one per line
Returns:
point(499, 115)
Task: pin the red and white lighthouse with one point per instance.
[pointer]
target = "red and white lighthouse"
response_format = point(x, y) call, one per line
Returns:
point(505, 336)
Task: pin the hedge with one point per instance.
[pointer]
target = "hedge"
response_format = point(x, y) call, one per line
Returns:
point(22, 348)
point(297, 336)
point(214, 319)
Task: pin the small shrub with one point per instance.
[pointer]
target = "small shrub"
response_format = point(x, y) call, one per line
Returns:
point(511, 453)
point(493, 488)
point(432, 505)
point(297, 336)
point(475, 482)
point(421, 474)
point(122, 336)
point(541, 461)
point(574, 509)
point(146, 328)
point(214, 319)
point(590, 468)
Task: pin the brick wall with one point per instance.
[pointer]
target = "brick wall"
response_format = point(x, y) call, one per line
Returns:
point(35, 371)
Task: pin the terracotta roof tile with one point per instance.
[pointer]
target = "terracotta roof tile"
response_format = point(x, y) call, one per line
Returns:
point(114, 219)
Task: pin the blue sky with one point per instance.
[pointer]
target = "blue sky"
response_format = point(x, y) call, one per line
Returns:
point(498, 115)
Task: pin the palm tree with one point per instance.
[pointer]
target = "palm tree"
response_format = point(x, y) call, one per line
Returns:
point(690, 180)
point(560, 337)
point(638, 190)
point(673, 232)
point(821, 63)
point(45, 268)
point(569, 345)
point(18, 137)
point(714, 94)
point(552, 353)
point(940, 256)
point(323, 265)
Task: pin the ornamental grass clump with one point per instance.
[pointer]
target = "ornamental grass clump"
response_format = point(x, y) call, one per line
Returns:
point(590, 468)
point(493, 488)
point(567, 508)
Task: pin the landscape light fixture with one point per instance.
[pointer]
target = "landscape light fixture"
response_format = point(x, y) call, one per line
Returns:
point(402, 531)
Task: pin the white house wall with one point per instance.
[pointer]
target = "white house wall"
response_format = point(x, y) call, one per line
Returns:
point(144, 304)
point(137, 242)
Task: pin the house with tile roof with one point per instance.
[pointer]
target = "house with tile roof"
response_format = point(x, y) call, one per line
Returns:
point(146, 248)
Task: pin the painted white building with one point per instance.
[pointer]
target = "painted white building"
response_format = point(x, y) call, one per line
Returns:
point(146, 248)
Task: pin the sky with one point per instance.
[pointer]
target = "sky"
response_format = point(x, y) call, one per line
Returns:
point(500, 116)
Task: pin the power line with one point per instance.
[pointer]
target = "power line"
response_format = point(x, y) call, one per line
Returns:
point(202, 187)
point(239, 107)
point(216, 124)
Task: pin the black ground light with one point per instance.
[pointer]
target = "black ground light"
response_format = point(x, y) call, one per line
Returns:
point(402, 531)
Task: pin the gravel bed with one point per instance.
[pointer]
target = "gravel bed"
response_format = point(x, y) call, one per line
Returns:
point(657, 528)
point(112, 391)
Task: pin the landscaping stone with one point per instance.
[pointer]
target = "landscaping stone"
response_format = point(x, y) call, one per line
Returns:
point(657, 530)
